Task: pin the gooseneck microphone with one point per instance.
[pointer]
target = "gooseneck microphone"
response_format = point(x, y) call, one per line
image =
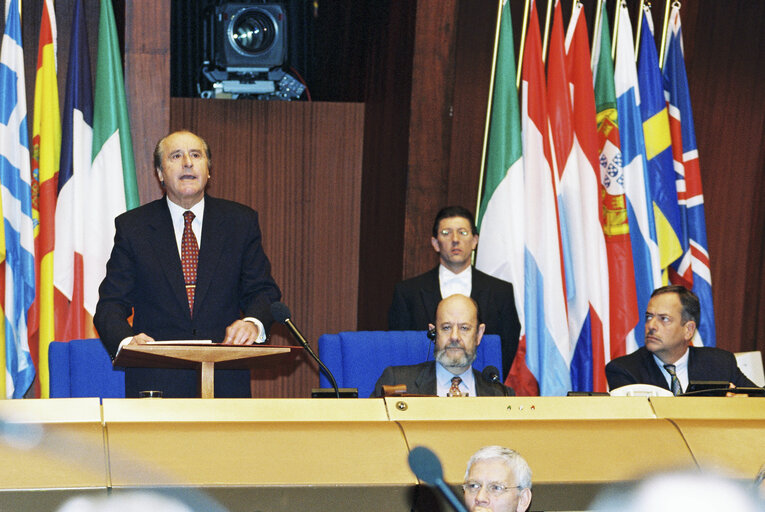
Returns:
point(281, 314)
point(426, 466)
point(491, 375)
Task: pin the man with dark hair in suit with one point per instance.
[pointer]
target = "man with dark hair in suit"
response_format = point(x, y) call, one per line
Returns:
point(455, 237)
point(457, 333)
point(667, 360)
point(187, 266)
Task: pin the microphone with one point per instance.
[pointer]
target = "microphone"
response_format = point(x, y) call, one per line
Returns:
point(281, 314)
point(491, 375)
point(426, 466)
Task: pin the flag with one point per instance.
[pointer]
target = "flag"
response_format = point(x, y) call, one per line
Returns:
point(72, 321)
point(622, 299)
point(645, 251)
point(111, 186)
point(16, 196)
point(46, 147)
point(547, 343)
point(500, 217)
point(582, 195)
point(658, 148)
point(692, 270)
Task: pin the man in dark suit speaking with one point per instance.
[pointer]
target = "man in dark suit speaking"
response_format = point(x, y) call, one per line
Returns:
point(178, 289)
point(667, 360)
point(455, 237)
point(457, 333)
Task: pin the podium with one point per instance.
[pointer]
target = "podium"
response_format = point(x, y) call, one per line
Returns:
point(197, 356)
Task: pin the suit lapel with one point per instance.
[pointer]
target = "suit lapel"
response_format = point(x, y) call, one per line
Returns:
point(655, 376)
point(480, 293)
point(213, 235)
point(426, 380)
point(162, 241)
point(430, 294)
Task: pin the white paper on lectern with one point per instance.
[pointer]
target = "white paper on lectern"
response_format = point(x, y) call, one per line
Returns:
point(181, 342)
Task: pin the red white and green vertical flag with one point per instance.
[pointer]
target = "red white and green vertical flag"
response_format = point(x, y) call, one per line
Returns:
point(616, 229)
point(501, 212)
point(46, 147)
point(111, 184)
point(590, 257)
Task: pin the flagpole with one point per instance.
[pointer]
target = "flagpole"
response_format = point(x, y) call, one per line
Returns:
point(523, 42)
point(547, 30)
point(616, 28)
point(595, 33)
point(664, 29)
point(639, 25)
point(488, 110)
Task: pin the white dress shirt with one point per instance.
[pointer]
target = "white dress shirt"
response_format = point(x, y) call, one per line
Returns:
point(681, 370)
point(444, 381)
point(452, 283)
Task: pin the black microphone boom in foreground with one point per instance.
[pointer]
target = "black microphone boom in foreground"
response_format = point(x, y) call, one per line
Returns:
point(426, 466)
point(281, 314)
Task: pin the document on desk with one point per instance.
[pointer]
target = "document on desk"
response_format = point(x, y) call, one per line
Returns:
point(181, 342)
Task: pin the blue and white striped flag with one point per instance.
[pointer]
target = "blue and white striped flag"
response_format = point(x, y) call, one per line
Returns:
point(15, 179)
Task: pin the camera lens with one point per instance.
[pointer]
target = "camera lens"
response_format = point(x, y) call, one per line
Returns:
point(253, 31)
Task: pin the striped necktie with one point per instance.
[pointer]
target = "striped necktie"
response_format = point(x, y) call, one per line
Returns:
point(676, 389)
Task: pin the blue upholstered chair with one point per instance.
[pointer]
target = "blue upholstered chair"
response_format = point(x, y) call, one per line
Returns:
point(357, 359)
point(82, 368)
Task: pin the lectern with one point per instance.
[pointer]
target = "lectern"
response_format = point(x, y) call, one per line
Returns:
point(198, 356)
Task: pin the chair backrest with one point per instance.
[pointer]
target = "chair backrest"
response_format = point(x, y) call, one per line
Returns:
point(357, 359)
point(640, 390)
point(82, 368)
point(750, 364)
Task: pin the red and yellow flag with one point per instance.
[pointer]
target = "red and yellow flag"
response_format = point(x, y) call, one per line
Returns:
point(46, 150)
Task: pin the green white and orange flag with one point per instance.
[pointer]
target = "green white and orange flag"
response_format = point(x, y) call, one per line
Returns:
point(112, 187)
point(46, 149)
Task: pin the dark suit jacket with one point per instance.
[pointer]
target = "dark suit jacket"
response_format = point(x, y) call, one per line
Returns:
point(704, 363)
point(415, 301)
point(144, 275)
point(420, 379)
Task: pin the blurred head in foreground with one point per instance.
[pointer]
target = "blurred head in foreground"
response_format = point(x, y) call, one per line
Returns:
point(681, 491)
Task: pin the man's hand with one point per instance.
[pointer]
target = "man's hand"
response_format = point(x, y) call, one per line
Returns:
point(241, 333)
point(141, 339)
point(731, 386)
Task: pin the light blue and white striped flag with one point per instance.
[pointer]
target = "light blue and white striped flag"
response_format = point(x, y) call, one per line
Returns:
point(15, 179)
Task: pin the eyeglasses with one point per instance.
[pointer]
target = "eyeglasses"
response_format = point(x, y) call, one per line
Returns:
point(494, 488)
point(461, 232)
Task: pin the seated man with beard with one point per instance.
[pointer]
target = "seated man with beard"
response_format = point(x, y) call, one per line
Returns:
point(457, 335)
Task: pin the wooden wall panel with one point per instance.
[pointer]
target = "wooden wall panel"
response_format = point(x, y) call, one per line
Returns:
point(430, 130)
point(299, 165)
point(147, 84)
point(386, 154)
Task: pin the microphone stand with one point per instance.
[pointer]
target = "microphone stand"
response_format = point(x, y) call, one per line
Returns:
point(298, 336)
